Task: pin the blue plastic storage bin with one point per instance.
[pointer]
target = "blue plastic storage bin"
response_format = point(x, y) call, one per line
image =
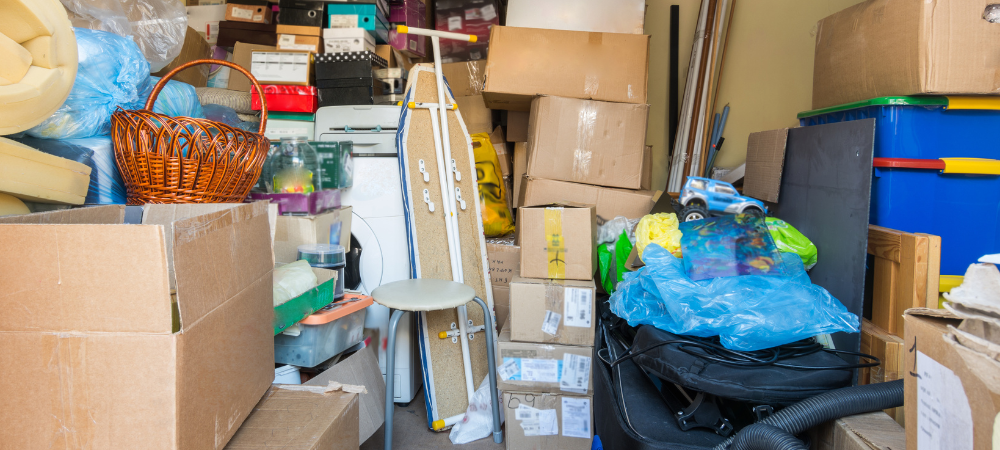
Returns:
point(912, 190)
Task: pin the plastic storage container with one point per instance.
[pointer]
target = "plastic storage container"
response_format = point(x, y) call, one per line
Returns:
point(293, 167)
point(324, 334)
point(326, 256)
point(924, 180)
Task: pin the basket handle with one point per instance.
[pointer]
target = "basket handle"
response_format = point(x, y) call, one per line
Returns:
point(163, 82)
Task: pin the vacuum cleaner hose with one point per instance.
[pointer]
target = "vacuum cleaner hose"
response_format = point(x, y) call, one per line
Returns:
point(761, 436)
point(822, 408)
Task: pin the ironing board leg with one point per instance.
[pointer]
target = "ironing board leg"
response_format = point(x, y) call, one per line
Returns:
point(494, 399)
point(390, 376)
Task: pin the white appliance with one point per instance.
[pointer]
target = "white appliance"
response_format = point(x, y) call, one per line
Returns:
point(377, 228)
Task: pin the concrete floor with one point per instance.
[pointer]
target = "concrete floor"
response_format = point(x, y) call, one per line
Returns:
point(410, 432)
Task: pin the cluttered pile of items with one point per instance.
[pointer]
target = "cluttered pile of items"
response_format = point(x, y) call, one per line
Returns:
point(319, 224)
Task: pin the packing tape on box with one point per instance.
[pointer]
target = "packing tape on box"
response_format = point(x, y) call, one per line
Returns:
point(476, 77)
point(554, 244)
point(583, 155)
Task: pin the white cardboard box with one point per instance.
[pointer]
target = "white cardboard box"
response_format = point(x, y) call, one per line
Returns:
point(339, 40)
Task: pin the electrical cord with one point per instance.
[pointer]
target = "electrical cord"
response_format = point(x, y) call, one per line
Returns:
point(710, 349)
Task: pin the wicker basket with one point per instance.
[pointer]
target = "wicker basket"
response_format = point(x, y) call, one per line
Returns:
point(183, 160)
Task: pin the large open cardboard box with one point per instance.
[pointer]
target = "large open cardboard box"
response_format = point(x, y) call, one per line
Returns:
point(88, 357)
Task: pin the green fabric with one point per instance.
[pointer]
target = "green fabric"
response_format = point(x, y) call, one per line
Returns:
point(604, 263)
point(790, 240)
point(621, 250)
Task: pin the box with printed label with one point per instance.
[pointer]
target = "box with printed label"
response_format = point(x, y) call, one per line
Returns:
point(552, 311)
point(534, 367)
point(292, 68)
point(341, 40)
point(332, 227)
point(300, 43)
point(549, 421)
point(248, 13)
point(557, 242)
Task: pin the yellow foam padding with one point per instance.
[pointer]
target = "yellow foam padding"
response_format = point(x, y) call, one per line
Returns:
point(11, 206)
point(34, 176)
point(971, 166)
point(47, 83)
point(15, 61)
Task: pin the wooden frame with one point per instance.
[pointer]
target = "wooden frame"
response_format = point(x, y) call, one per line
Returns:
point(907, 274)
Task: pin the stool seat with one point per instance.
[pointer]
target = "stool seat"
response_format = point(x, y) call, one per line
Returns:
point(423, 294)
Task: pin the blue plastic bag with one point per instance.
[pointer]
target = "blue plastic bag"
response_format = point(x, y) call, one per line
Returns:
point(748, 312)
point(112, 73)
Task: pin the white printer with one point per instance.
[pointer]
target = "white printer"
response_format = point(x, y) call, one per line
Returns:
point(379, 252)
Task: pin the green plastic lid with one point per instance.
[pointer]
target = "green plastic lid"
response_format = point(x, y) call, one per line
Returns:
point(300, 116)
point(881, 101)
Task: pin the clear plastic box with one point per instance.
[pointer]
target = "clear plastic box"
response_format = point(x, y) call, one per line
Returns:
point(324, 334)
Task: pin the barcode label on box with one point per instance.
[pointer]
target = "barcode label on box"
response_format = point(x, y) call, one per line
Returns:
point(551, 323)
point(540, 370)
point(577, 306)
point(454, 23)
point(575, 373)
point(242, 13)
point(508, 370)
point(576, 417)
point(488, 12)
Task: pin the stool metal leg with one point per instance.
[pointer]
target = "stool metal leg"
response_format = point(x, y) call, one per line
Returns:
point(495, 401)
point(390, 376)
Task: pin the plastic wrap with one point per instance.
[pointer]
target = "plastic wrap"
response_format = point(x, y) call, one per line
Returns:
point(478, 420)
point(106, 185)
point(112, 73)
point(157, 26)
point(728, 246)
point(790, 240)
point(612, 229)
point(661, 229)
point(497, 219)
point(223, 114)
point(292, 280)
point(749, 312)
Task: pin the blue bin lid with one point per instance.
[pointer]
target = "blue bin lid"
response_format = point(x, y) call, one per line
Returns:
point(881, 101)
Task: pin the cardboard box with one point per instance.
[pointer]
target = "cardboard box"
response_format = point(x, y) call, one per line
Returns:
point(517, 126)
point(195, 48)
point(293, 231)
point(248, 13)
point(940, 47)
point(477, 117)
point(465, 78)
point(586, 141)
point(572, 428)
point(861, 432)
point(342, 40)
point(525, 62)
point(300, 30)
point(557, 242)
point(88, 326)
point(765, 162)
point(205, 20)
point(889, 350)
point(300, 43)
point(501, 303)
point(621, 16)
point(552, 311)
point(948, 405)
point(362, 369)
point(608, 202)
point(292, 68)
point(500, 146)
point(301, 420)
point(520, 167)
point(544, 368)
point(243, 57)
point(505, 263)
point(248, 33)
point(646, 182)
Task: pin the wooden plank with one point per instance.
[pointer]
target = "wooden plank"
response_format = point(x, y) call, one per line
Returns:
point(911, 285)
point(933, 270)
point(889, 350)
point(884, 293)
point(884, 243)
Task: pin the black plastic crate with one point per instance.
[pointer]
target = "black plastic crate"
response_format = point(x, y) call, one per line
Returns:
point(346, 96)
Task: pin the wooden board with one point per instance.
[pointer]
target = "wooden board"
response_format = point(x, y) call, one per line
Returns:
point(906, 274)
point(444, 375)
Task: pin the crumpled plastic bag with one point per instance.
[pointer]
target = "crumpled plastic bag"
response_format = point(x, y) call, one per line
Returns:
point(157, 26)
point(748, 312)
point(292, 280)
point(497, 219)
point(112, 73)
point(609, 232)
point(478, 420)
point(661, 229)
point(790, 240)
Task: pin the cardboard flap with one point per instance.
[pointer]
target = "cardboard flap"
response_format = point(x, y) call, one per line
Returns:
point(83, 278)
point(109, 215)
point(361, 368)
point(935, 313)
point(216, 254)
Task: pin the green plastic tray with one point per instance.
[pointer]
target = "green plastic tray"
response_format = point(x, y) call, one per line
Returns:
point(298, 308)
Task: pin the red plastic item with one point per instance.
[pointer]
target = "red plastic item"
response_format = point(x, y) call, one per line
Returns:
point(287, 98)
point(906, 163)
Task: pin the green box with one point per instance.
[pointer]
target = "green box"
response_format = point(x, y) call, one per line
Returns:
point(298, 308)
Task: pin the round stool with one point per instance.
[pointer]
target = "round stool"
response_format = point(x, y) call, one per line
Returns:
point(427, 294)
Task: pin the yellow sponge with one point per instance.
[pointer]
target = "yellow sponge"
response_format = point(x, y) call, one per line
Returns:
point(34, 176)
point(15, 61)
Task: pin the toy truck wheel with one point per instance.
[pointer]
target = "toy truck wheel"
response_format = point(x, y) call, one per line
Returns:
point(753, 210)
point(694, 212)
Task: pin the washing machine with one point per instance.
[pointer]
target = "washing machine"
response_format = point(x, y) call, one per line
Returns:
point(379, 253)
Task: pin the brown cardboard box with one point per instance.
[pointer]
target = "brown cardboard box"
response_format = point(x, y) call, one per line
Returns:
point(861, 432)
point(302, 43)
point(553, 434)
point(517, 126)
point(465, 78)
point(608, 202)
point(520, 167)
point(765, 161)
point(242, 56)
point(300, 30)
point(552, 311)
point(88, 327)
point(940, 47)
point(501, 303)
point(500, 145)
point(293, 231)
point(944, 398)
point(646, 182)
point(195, 47)
point(300, 420)
point(557, 242)
point(248, 13)
point(360, 369)
point(534, 367)
point(586, 141)
point(477, 118)
point(889, 350)
point(505, 263)
point(525, 62)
